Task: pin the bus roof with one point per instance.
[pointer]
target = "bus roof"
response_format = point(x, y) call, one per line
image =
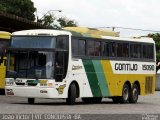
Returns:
point(104, 34)
point(81, 32)
point(5, 35)
point(90, 32)
point(139, 39)
point(43, 32)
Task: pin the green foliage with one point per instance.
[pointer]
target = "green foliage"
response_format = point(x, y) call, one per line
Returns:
point(47, 20)
point(156, 38)
point(65, 22)
point(158, 56)
point(21, 8)
point(51, 20)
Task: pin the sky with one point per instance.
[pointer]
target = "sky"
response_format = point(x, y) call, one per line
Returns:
point(138, 14)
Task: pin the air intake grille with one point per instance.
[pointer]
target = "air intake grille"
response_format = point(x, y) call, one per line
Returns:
point(148, 85)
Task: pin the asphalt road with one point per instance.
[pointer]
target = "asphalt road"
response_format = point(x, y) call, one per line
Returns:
point(146, 105)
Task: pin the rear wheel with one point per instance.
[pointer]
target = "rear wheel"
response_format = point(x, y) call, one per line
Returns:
point(125, 94)
point(71, 94)
point(92, 100)
point(134, 94)
point(31, 100)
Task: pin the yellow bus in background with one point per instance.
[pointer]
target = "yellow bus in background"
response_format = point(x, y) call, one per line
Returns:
point(4, 41)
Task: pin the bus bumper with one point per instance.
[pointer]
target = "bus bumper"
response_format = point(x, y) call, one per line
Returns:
point(32, 92)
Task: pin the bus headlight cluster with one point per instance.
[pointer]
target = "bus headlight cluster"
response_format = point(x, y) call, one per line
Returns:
point(9, 81)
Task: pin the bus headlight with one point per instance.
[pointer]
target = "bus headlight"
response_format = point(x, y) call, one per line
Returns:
point(9, 81)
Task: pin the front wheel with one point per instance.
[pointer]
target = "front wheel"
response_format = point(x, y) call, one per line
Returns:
point(125, 94)
point(71, 95)
point(134, 94)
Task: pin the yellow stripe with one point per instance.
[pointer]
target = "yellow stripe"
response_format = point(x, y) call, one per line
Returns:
point(116, 81)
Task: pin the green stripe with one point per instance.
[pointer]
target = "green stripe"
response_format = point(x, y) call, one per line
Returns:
point(92, 77)
point(101, 77)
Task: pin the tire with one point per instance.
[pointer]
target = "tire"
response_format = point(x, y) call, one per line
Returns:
point(71, 94)
point(92, 100)
point(134, 94)
point(2, 91)
point(125, 94)
point(31, 100)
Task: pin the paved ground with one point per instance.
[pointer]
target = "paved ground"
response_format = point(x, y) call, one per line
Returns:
point(146, 105)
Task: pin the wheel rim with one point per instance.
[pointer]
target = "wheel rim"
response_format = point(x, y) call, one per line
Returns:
point(125, 94)
point(135, 93)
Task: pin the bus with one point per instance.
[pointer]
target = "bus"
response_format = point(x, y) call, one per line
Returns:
point(4, 40)
point(80, 63)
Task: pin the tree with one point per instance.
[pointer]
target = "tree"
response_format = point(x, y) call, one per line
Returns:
point(57, 23)
point(65, 22)
point(156, 38)
point(47, 20)
point(21, 8)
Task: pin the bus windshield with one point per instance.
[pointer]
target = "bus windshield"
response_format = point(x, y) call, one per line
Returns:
point(36, 57)
point(33, 42)
point(34, 64)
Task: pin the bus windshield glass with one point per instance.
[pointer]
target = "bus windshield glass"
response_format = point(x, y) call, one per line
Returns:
point(34, 64)
point(33, 42)
point(35, 56)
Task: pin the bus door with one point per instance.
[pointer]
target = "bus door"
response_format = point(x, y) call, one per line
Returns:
point(61, 65)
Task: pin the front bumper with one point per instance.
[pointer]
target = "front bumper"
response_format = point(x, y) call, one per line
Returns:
point(33, 92)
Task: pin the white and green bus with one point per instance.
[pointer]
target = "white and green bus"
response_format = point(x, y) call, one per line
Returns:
point(80, 63)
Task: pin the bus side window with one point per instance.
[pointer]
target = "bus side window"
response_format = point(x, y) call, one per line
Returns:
point(90, 48)
point(125, 50)
point(97, 49)
point(62, 42)
point(112, 49)
point(105, 49)
point(148, 52)
point(75, 47)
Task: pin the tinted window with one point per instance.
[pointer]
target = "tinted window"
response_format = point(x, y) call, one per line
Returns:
point(148, 51)
point(75, 46)
point(81, 47)
point(93, 48)
point(122, 50)
point(78, 47)
point(119, 49)
point(33, 42)
point(105, 49)
point(90, 48)
point(62, 42)
point(135, 50)
point(97, 49)
point(113, 49)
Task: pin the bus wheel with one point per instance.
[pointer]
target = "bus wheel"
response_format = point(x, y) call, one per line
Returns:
point(71, 95)
point(125, 94)
point(92, 100)
point(31, 100)
point(134, 94)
